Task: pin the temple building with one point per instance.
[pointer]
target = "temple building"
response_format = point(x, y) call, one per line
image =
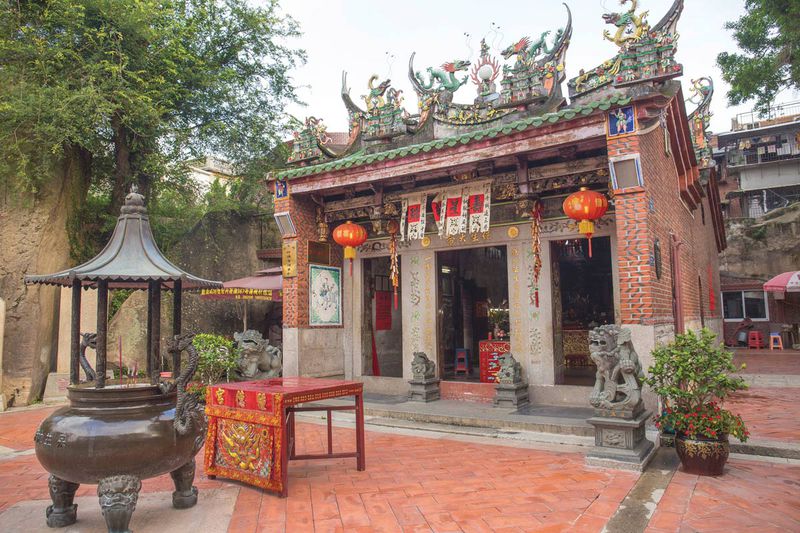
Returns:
point(463, 249)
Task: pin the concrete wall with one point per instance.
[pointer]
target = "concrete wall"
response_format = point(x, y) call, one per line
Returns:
point(767, 176)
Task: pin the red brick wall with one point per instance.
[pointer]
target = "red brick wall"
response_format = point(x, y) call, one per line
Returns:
point(655, 211)
point(295, 289)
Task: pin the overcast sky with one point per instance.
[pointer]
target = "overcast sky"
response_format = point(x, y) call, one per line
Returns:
point(377, 37)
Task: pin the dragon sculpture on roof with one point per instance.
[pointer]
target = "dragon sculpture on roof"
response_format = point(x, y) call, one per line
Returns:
point(630, 26)
point(445, 76)
point(701, 92)
point(645, 53)
point(527, 51)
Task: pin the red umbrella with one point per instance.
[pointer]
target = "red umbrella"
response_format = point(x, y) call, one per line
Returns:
point(786, 282)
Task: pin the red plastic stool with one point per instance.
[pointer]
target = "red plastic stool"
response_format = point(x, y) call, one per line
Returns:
point(755, 339)
point(775, 341)
point(462, 361)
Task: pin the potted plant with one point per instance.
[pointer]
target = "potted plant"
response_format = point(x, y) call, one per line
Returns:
point(691, 375)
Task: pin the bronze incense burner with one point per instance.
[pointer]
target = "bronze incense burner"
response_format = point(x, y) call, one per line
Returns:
point(116, 433)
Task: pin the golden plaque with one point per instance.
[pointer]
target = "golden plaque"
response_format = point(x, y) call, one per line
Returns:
point(513, 231)
point(289, 259)
point(426, 241)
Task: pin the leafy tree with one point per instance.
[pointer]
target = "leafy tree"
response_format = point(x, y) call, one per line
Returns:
point(769, 37)
point(132, 88)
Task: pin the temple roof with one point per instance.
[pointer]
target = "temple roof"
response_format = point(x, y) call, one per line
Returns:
point(517, 88)
point(363, 158)
point(129, 260)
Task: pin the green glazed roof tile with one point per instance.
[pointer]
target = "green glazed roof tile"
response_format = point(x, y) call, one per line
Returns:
point(360, 158)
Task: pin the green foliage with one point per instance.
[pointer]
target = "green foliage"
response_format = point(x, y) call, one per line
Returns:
point(135, 88)
point(769, 38)
point(217, 357)
point(118, 297)
point(691, 375)
point(757, 234)
point(198, 390)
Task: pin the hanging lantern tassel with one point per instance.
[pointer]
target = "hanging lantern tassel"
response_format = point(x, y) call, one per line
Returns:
point(586, 206)
point(394, 270)
point(586, 227)
point(350, 236)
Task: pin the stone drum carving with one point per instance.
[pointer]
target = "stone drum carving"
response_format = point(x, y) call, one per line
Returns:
point(619, 375)
point(258, 359)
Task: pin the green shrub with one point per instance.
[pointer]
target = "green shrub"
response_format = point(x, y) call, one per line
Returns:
point(217, 357)
point(691, 375)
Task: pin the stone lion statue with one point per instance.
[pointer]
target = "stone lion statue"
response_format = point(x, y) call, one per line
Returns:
point(619, 373)
point(510, 369)
point(258, 359)
point(422, 367)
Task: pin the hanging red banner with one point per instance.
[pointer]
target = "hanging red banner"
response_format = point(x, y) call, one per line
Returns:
point(383, 310)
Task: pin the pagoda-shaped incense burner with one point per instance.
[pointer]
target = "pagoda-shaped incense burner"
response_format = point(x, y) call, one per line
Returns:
point(114, 433)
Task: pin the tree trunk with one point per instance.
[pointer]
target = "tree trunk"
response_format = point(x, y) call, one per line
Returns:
point(122, 163)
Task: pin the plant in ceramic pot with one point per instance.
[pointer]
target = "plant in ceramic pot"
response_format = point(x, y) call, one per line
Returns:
point(692, 376)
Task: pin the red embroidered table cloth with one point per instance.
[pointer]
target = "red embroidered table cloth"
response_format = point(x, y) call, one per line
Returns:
point(247, 425)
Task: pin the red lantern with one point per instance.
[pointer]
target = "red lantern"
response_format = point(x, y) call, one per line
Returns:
point(586, 206)
point(350, 236)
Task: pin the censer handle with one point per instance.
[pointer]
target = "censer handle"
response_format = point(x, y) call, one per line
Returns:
point(186, 406)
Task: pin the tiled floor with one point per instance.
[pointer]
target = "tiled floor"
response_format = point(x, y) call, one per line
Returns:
point(751, 496)
point(768, 361)
point(437, 484)
point(768, 413)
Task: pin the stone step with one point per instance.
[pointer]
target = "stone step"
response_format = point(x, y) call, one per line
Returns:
point(539, 424)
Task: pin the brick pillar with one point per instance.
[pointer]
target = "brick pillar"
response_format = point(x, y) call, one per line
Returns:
point(634, 243)
point(295, 289)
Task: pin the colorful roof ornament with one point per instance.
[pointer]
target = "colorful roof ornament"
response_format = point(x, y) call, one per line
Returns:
point(645, 53)
point(483, 74)
point(701, 92)
point(532, 85)
point(538, 70)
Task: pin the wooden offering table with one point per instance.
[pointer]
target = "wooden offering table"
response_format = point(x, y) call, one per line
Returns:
point(251, 427)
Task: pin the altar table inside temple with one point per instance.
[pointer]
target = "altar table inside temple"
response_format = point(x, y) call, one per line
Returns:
point(251, 429)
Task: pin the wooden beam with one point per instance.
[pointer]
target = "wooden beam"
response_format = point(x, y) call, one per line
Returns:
point(75, 335)
point(102, 333)
point(154, 293)
point(568, 167)
point(176, 324)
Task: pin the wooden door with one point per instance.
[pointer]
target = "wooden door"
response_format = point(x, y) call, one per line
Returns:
point(555, 291)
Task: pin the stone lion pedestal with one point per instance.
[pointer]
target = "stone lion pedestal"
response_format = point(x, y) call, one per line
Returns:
point(424, 383)
point(511, 390)
point(619, 414)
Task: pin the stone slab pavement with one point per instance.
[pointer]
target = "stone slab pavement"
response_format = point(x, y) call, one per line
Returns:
point(414, 483)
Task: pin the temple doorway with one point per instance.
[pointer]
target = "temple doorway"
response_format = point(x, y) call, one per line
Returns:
point(473, 323)
point(583, 298)
point(382, 330)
